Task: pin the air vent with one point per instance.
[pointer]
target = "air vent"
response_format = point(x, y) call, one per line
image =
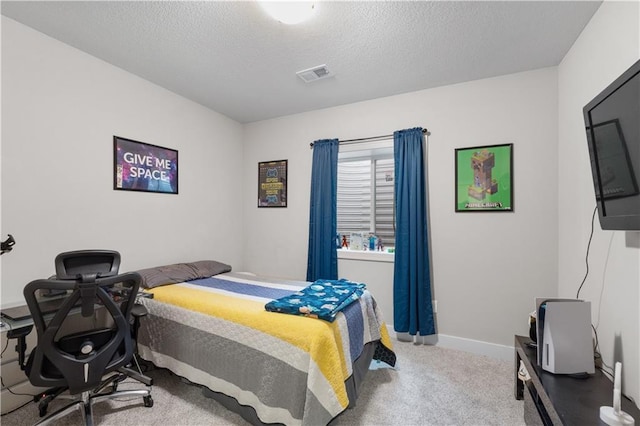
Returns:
point(315, 73)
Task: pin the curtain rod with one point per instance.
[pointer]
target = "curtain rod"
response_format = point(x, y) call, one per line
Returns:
point(369, 139)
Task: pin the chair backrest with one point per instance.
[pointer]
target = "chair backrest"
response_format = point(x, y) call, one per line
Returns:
point(80, 359)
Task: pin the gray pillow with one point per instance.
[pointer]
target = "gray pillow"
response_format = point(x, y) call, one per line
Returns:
point(180, 272)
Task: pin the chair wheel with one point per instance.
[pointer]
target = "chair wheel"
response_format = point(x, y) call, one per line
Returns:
point(148, 401)
point(43, 406)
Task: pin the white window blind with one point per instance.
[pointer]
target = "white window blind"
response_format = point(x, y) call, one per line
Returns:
point(366, 195)
point(384, 202)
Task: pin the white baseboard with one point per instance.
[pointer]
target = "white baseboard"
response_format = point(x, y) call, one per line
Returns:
point(479, 347)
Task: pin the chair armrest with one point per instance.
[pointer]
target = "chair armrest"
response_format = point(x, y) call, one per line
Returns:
point(139, 310)
point(21, 347)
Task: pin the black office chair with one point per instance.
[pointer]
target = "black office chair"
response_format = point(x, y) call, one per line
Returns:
point(78, 361)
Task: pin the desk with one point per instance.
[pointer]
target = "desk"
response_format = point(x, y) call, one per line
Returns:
point(556, 399)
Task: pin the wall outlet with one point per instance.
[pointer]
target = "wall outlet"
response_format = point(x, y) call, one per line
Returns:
point(435, 306)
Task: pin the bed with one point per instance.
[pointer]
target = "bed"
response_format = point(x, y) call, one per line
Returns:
point(210, 326)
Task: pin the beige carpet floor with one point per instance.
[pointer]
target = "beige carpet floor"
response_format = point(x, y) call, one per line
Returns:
point(429, 386)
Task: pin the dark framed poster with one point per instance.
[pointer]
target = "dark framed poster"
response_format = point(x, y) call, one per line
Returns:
point(272, 183)
point(484, 178)
point(139, 166)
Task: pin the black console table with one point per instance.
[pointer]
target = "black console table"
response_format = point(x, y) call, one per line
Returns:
point(556, 399)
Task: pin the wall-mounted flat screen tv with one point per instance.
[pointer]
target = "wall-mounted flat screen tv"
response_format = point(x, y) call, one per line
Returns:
point(612, 122)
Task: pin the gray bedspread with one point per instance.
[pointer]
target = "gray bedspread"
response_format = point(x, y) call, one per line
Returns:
point(289, 369)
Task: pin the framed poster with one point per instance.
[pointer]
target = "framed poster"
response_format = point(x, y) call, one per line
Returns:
point(139, 166)
point(272, 183)
point(484, 178)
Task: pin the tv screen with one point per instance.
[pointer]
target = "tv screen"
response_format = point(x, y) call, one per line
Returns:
point(612, 122)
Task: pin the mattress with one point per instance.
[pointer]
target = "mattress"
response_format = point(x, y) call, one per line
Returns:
point(289, 369)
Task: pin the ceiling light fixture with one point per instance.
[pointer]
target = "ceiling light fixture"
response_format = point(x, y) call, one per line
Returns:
point(289, 12)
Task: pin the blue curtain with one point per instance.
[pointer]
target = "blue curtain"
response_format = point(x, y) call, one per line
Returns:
point(322, 262)
point(412, 308)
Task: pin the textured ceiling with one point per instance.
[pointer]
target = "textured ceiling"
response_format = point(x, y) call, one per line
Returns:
point(232, 58)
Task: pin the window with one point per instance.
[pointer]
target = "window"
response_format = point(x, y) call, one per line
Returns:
point(365, 194)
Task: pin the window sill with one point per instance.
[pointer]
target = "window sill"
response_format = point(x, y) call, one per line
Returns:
point(370, 256)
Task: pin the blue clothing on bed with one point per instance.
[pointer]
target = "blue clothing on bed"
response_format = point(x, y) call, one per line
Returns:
point(322, 299)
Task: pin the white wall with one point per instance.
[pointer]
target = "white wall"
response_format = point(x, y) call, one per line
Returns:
point(487, 267)
point(608, 45)
point(60, 110)
point(379, 279)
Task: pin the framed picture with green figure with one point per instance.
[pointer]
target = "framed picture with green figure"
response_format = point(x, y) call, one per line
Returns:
point(484, 178)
